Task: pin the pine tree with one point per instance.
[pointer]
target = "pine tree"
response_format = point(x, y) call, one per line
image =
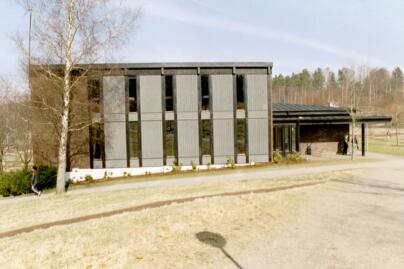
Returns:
point(397, 80)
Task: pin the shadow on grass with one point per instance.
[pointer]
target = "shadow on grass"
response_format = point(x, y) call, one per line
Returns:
point(217, 241)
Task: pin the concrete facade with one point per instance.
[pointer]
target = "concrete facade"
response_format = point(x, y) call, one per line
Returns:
point(156, 114)
point(153, 115)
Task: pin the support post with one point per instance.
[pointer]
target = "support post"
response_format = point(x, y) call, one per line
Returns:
point(276, 137)
point(297, 136)
point(290, 146)
point(363, 125)
point(283, 136)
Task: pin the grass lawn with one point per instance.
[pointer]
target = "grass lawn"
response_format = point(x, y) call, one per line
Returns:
point(386, 145)
point(52, 208)
point(154, 238)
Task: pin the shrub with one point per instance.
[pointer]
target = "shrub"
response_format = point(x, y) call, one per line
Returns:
point(19, 182)
point(176, 166)
point(89, 178)
point(294, 157)
point(67, 184)
point(15, 183)
point(47, 177)
point(193, 165)
point(231, 163)
point(278, 156)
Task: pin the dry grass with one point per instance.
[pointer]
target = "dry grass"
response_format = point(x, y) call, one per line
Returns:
point(52, 208)
point(156, 238)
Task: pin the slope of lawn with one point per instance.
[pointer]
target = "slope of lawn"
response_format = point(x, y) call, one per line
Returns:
point(53, 208)
point(165, 237)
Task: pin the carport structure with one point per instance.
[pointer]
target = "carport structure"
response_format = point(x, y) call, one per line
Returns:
point(297, 127)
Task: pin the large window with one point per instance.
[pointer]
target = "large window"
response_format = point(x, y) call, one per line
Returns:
point(240, 136)
point(170, 138)
point(169, 93)
point(205, 92)
point(240, 91)
point(134, 139)
point(206, 137)
point(132, 95)
point(94, 94)
point(97, 145)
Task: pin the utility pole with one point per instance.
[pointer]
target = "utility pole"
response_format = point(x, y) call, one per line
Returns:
point(353, 117)
point(29, 48)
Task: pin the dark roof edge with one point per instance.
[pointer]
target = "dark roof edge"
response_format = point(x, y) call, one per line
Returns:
point(176, 65)
point(374, 118)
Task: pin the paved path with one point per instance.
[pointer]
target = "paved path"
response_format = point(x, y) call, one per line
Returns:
point(345, 224)
point(383, 161)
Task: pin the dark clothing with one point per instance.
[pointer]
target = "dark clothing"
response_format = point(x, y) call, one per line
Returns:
point(34, 179)
point(35, 184)
point(345, 148)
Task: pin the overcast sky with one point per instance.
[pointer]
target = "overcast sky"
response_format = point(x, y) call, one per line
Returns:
point(293, 34)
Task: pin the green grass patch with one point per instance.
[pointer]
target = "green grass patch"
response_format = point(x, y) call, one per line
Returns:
point(386, 145)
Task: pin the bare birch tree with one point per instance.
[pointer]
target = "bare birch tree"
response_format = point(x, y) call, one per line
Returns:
point(71, 33)
point(5, 131)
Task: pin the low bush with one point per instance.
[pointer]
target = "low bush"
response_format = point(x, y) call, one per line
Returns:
point(176, 166)
point(295, 157)
point(47, 177)
point(19, 182)
point(278, 156)
point(15, 183)
point(230, 163)
point(193, 165)
point(89, 178)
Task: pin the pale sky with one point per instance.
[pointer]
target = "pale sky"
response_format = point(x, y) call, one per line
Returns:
point(293, 34)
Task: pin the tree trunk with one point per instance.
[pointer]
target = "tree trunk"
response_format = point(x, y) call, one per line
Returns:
point(397, 129)
point(60, 183)
point(353, 138)
point(64, 133)
point(1, 162)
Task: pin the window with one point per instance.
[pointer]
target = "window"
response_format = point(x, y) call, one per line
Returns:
point(206, 137)
point(133, 139)
point(94, 95)
point(205, 92)
point(286, 137)
point(96, 142)
point(170, 138)
point(240, 92)
point(240, 136)
point(169, 94)
point(132, 95)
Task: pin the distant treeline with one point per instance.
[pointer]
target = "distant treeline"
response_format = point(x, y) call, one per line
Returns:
point(370, 90)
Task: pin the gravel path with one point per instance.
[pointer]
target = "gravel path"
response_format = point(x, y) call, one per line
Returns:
point(355, 224)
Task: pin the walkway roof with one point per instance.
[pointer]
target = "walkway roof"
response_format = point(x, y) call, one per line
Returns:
point(318, 114)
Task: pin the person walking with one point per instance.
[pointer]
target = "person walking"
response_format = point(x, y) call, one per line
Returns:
point(34, 181)
point(345, 145)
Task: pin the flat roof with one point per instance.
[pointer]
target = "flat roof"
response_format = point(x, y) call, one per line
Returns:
point(281, 107)
point(311, 114)
point(155, 65)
